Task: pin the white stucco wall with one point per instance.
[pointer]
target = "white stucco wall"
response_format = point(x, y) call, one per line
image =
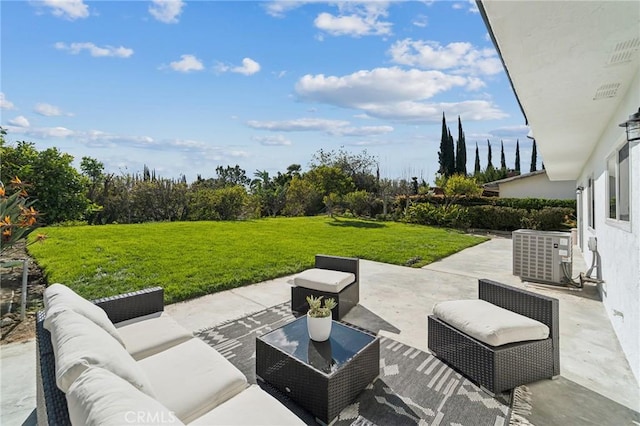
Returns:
point(618, 242)
point(538, 186)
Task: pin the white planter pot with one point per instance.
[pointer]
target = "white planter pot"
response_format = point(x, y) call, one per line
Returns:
point(319, 328)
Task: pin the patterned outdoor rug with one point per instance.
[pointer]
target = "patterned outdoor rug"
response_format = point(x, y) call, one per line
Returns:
point(414, 388)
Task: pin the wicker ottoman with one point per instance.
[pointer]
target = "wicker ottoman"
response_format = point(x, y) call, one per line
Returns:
point(331, 285)
point(321, 377)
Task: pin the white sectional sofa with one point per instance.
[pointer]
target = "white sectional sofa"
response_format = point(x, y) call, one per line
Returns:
point(122, 360)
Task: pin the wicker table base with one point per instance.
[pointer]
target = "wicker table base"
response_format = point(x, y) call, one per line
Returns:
point(321, 377)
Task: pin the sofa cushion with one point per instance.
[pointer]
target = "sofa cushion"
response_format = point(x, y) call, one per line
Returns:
point(98, 397)
point(192, 378)
point(78, 343)
point(58, 297)
point(489, 323)
point(264, 410)
point(324, 280)
point(147, 335)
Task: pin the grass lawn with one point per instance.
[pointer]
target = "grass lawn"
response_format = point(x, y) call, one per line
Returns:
point(190, 259)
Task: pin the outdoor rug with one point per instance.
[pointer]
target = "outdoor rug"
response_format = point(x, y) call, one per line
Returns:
point(414, 388)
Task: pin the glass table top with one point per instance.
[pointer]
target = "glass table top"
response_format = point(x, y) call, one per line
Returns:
point(328, 356)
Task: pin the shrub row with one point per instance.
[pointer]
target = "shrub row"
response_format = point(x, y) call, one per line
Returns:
point(489, 217)
point(516, 203)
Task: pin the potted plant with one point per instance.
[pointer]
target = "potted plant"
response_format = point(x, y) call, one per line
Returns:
point(319, 318)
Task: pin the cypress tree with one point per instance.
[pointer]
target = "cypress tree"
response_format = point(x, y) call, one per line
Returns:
point(476, 169)
point(489, 164)
point(503, 161)
point(517, 168)
point(451, 163)
point(461, 151)
point(534, 157)
point(442, 154)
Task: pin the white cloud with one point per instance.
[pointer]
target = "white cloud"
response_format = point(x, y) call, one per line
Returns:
point(475, 84)
point(473, 6)
point(460, 56)
point(380, 85)
point(331, 127)
point(356, 19)
point(422, 112)
point(95, 51)
point(248, 67)
point(397, 94)
point(362, 131)
point(298, 125)
point(49, 110)
point(4, 103)
point(279, 8)
point(277, 140)
point(510, 131)
point(50, 132)
point(187, 63)
point(20, 121)
point(421, 21)
point(68, 9)
point(166, 11)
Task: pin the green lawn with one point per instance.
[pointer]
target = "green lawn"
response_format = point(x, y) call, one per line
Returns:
point(190, 259)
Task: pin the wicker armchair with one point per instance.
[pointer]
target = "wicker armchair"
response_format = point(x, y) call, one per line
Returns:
point(499, 368)
point(347, 298)
point(51, 401)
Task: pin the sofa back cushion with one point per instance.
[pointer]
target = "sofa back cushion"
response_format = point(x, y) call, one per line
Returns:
point(58, 297)
point(99, 397)
point(79, 343)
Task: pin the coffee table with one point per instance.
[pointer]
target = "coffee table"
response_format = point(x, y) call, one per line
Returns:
point(321, 377)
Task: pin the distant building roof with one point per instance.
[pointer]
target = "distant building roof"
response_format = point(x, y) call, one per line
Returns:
point(495, 183)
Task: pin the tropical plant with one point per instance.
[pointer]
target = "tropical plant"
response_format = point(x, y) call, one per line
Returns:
point(316, 310)
point(18, 218)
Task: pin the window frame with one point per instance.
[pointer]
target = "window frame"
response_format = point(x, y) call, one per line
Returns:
point(619, 220)
point(591, 203)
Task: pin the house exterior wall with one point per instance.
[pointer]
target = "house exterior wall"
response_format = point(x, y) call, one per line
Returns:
point(538, 186)
point(618, 242)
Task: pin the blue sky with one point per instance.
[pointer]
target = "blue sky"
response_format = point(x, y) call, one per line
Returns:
point(184, 87)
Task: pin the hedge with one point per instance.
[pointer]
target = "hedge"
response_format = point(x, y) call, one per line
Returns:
point(489, 217)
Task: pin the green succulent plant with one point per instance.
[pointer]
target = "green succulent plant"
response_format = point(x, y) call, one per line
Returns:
point(316, 310)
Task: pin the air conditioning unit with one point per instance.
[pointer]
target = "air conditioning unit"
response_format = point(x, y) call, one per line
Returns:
point(542, 256)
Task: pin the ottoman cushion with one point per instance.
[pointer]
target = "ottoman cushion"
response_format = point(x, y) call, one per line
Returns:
point(324, 280)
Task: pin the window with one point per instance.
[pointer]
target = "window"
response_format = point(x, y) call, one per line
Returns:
point(611, 174)
point(591, 203)
point(619, 183)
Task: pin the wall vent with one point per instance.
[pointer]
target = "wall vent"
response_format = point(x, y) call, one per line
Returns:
point(624, 51)
point(609, 90)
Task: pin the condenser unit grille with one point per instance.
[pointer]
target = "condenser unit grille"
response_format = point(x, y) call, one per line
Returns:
point(538, 255)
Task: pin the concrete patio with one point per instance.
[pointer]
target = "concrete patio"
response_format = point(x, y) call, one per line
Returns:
point(596, 385)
